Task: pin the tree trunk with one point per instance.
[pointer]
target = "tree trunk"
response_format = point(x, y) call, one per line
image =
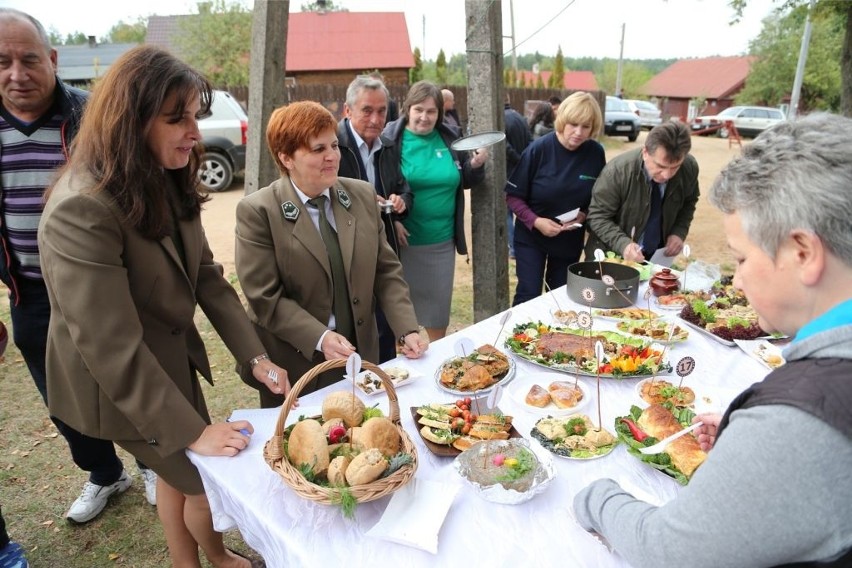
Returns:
point(846, 67)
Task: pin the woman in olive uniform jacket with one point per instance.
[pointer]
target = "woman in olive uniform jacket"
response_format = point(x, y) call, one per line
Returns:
point(302, 311)
point(126, 263)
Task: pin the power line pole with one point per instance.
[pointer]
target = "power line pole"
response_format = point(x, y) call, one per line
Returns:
point(800, 67)
point(620, 58)
point(514, 51)
point(484, 46)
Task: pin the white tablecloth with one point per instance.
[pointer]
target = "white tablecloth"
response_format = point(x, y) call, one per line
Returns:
point(288, 530)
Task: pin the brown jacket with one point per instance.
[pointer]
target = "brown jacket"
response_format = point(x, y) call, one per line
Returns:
point(285, 274)
point(122, 344)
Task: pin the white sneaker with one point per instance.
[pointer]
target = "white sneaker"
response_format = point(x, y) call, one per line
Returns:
point(93, 499)
point(150, 485)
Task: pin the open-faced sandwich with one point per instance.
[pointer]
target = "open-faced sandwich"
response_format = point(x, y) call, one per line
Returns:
point(644, 428)
point(657, 330)
point(458, 426)
point(480, 370)
point(632, 314)
point(573, 436)
point(658, 391)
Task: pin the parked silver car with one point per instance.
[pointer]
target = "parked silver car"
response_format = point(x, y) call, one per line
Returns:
point(648, 113)
point(748, 120)
point(619, 120)
point(223, 135)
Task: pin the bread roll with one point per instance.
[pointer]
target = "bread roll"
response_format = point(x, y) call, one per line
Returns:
point(366, 467)
point(344, 405)
point(463, 443)
point(308, 445)
point(538, 397)
point(567, 397)
point(380, 433)
point(337, 470)
point(356, 438)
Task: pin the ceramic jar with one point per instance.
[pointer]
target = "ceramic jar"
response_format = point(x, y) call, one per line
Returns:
point(664, 282)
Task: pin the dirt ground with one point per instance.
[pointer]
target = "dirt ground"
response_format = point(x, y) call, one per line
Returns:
point(705, 239)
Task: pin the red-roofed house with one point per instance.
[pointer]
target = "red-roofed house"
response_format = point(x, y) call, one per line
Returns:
point(692, 87)
point(572, 80)
point(328, 48)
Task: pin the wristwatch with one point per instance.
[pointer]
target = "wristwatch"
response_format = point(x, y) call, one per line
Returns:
point(402, 337)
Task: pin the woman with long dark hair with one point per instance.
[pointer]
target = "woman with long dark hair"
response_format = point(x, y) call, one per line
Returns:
point(126, 263)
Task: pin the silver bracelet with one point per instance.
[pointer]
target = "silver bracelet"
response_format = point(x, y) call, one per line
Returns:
point(255, 360)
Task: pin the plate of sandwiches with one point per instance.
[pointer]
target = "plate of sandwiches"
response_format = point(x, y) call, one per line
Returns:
point(475, 374)
point(630, 314)
point(657, 330)
point(574, 437)
point(549, 394)
point(447, 435)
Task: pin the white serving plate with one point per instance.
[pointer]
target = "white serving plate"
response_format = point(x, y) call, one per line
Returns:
point(517, 392)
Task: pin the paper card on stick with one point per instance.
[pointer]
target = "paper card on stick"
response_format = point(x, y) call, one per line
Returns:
point(685, 366)
point(353, 366)
point(463, 347)
point(494, 397)
point(599, 255)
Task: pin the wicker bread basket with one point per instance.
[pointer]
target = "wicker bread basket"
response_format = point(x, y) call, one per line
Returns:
point(273, 451)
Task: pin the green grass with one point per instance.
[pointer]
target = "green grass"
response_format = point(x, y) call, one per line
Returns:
point(38, 480)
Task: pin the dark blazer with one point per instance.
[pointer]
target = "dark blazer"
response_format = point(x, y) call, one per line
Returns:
point(350, 167)
point(122, 347)
point(70, 102)
point(285, 275)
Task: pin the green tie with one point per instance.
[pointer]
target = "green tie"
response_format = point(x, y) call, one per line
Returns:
point(341, 308)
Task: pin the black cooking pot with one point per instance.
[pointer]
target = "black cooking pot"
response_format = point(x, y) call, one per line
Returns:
point(621, 294)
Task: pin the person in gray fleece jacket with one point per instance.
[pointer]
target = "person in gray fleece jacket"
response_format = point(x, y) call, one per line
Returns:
point(776, 487)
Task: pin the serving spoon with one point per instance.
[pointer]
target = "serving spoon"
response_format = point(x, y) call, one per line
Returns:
point(661, 445)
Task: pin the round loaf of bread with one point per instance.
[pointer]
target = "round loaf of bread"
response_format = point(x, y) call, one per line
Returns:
point(337, 470)
point(308, 445)
point(366, 467)
point(356, 438)
point(343, 405)
point(380, 433)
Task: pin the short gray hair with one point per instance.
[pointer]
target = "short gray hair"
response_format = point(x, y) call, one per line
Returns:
point(363, 83)
point(795, 175)
point(13, 14)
